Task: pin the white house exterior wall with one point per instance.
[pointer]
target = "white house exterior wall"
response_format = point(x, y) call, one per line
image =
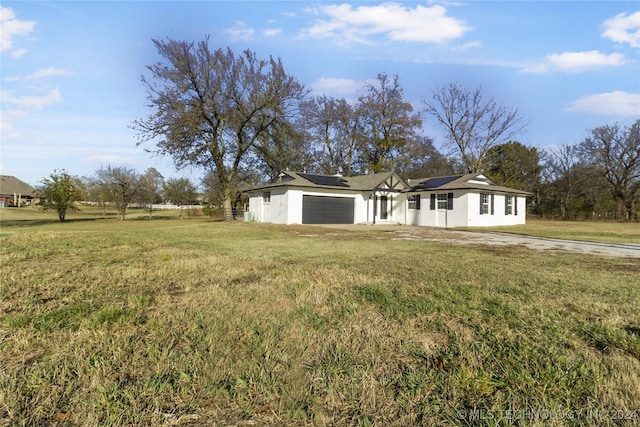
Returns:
point(427, 217)
point(286, 205)
point(275, 211)
point(499, 217)
point(465, 212)
point(458, 217)
point(362, 207)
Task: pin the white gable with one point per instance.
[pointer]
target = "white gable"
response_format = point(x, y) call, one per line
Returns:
point(479, 179)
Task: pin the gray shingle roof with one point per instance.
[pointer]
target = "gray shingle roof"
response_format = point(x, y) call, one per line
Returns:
point(10, 185)
point(470, 181)
point(336, 182)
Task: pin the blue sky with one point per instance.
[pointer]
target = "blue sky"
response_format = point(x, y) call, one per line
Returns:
point(70, 70)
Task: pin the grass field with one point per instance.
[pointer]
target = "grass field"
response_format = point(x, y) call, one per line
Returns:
point(200, 322)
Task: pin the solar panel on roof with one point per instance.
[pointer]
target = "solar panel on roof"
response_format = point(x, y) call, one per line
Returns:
point(437, 182)
point(333, 181)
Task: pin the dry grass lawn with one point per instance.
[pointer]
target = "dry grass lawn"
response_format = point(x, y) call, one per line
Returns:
point(197, 322)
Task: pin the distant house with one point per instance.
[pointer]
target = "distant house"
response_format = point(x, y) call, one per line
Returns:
point(14, 192)
point(468, 200)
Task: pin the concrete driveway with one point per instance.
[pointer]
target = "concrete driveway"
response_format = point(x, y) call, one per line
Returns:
point(402, 232)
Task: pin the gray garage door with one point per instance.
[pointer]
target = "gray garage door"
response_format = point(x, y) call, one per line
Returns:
point(327, 210)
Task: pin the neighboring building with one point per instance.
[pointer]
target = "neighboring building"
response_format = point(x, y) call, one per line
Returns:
point(468, 200)
point(14, 192)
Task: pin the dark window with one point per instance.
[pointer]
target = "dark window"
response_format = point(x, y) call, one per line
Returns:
point(414, 202)
point(442, 201)
point(508, 205)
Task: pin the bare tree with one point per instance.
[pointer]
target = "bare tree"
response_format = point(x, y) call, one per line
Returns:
point(561, 180)
point(473, 123)
point(281, 148)
point(211, 108)
point(420, 159)
point(615, 152)
point(330, 124)
point(121, 184)
point(386, 122)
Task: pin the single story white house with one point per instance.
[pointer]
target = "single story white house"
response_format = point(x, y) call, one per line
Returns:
point(469, 200)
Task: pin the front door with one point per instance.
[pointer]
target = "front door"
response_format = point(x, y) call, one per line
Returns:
point(384, 207)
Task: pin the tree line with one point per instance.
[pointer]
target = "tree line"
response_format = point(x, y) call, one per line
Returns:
point(114, 186)
point(242, 120)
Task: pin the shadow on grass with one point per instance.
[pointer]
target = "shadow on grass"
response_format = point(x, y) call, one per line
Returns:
point(35, 222)
point(32, 222)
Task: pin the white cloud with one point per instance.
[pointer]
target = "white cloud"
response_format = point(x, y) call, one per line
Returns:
point(623, 29)
point(40, 74)
point(46, 72)
point(17, 53)
point(617, 103)
point(32, 102)
point(12, 27)
point(271, 32)
point(575, 62)
point(6, 129)
point(240, 32)
point(466, 46)
point(336, 87)
point(351, 25)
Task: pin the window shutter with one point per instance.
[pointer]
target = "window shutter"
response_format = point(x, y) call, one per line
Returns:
point(481, 197)
point(506, 205)
point(432, 206)
point(450, 201)
point(417, 202)
point(492, 204)
point(515, 205)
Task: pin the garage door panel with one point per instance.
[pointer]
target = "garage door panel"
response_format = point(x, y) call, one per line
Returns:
point(327, 210)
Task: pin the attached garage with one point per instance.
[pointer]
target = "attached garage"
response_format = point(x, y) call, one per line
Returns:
point(327, 210)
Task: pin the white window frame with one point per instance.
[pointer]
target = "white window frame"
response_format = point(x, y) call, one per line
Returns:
point(485, 200)
point(412, 202)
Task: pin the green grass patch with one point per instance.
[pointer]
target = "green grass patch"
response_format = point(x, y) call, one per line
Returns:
point(169, 321)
